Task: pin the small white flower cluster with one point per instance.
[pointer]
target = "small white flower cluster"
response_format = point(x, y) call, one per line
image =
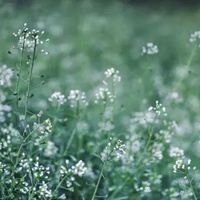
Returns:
point(82, 126)
point(105, 95)
point(44, 191)
point(115, 151)
point(50, 149)
point(77, 97)
point(150, 49)
point(4, 112)
point(141, 118)
point(43, 130)
point(106, 126)
point(176, 152)
point(28, 39)
point(157, 152)
point(8, 134)
point(114, 74)
point(24, 187)
point(181, 165)
point(5, 75)
point(39, 171)
point(171, 193)
point(79, 169)
point(24, 164)
point(58, 98)
point(119, 149)
point(158, 109)
point(145, 187)
point(194, 36)
point(176, 97)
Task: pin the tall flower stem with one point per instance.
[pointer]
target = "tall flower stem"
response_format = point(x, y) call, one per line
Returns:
point(20, 71)
point(29, 81)
point(101, 174)
point(99, 179)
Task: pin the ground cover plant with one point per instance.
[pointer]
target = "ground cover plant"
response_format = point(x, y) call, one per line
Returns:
point(94, 114)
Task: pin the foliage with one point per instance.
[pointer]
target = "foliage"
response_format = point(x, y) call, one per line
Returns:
point(75, 127)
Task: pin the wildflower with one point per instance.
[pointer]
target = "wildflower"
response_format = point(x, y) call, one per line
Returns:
point(50, 149)
point(58, 98)
point(5, 75)
point(194, 36)
point(43, 131)
point(44, 191)
point(158, 109)
point(28, 39)
point(150, 49)
point(105, 95)
point(114, 74)
point(77, 97)
point(176, 152)
point(79, 169)
point(113, 151)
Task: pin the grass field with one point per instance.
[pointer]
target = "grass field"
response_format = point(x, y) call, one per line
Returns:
point(106, 108)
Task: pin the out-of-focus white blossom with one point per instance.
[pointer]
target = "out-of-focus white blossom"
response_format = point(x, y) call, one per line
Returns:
point(58, 98)
point(77, 97)
point(5, 75)
point(114, 74)
point(150, 49)
point(50, 149)
point(194, 36)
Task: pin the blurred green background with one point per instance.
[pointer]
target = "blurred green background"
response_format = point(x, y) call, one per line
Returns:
point(87, 37)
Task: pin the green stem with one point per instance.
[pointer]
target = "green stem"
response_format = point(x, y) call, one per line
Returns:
point(187, 68)
point(29, 81)
point(99, 179)
point(191, 187)
point(71, 139)
point(59, 184)
point(113, 103)
point(20, 71)
point(119, 188)
point(74, 131)
point(19, 150)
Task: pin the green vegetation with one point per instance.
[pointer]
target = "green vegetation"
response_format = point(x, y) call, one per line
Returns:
point(103, 105)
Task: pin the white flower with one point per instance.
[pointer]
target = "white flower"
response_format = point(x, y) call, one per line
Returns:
point(114, 74)
point(58, 97)
point(76, 96)
point(104, 94)
point(150, 49)
point(5, 75)
point(176, 152)
point(51, 149)
point(194, 36)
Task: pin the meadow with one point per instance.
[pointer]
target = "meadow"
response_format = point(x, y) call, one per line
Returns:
point(99, 100)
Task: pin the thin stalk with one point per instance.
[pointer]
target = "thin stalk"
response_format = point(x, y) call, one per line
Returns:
point(113, 103)
point(71, 139)
point(101, 173)
point(187, 68)
point(33, 191)
point(119, 188)
point(20, 71)
point(191, 187)
point(74, 131)
point(59, 184)
point(29, 81)
point(19, 150)
point(99, 179)
point(151, 129)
